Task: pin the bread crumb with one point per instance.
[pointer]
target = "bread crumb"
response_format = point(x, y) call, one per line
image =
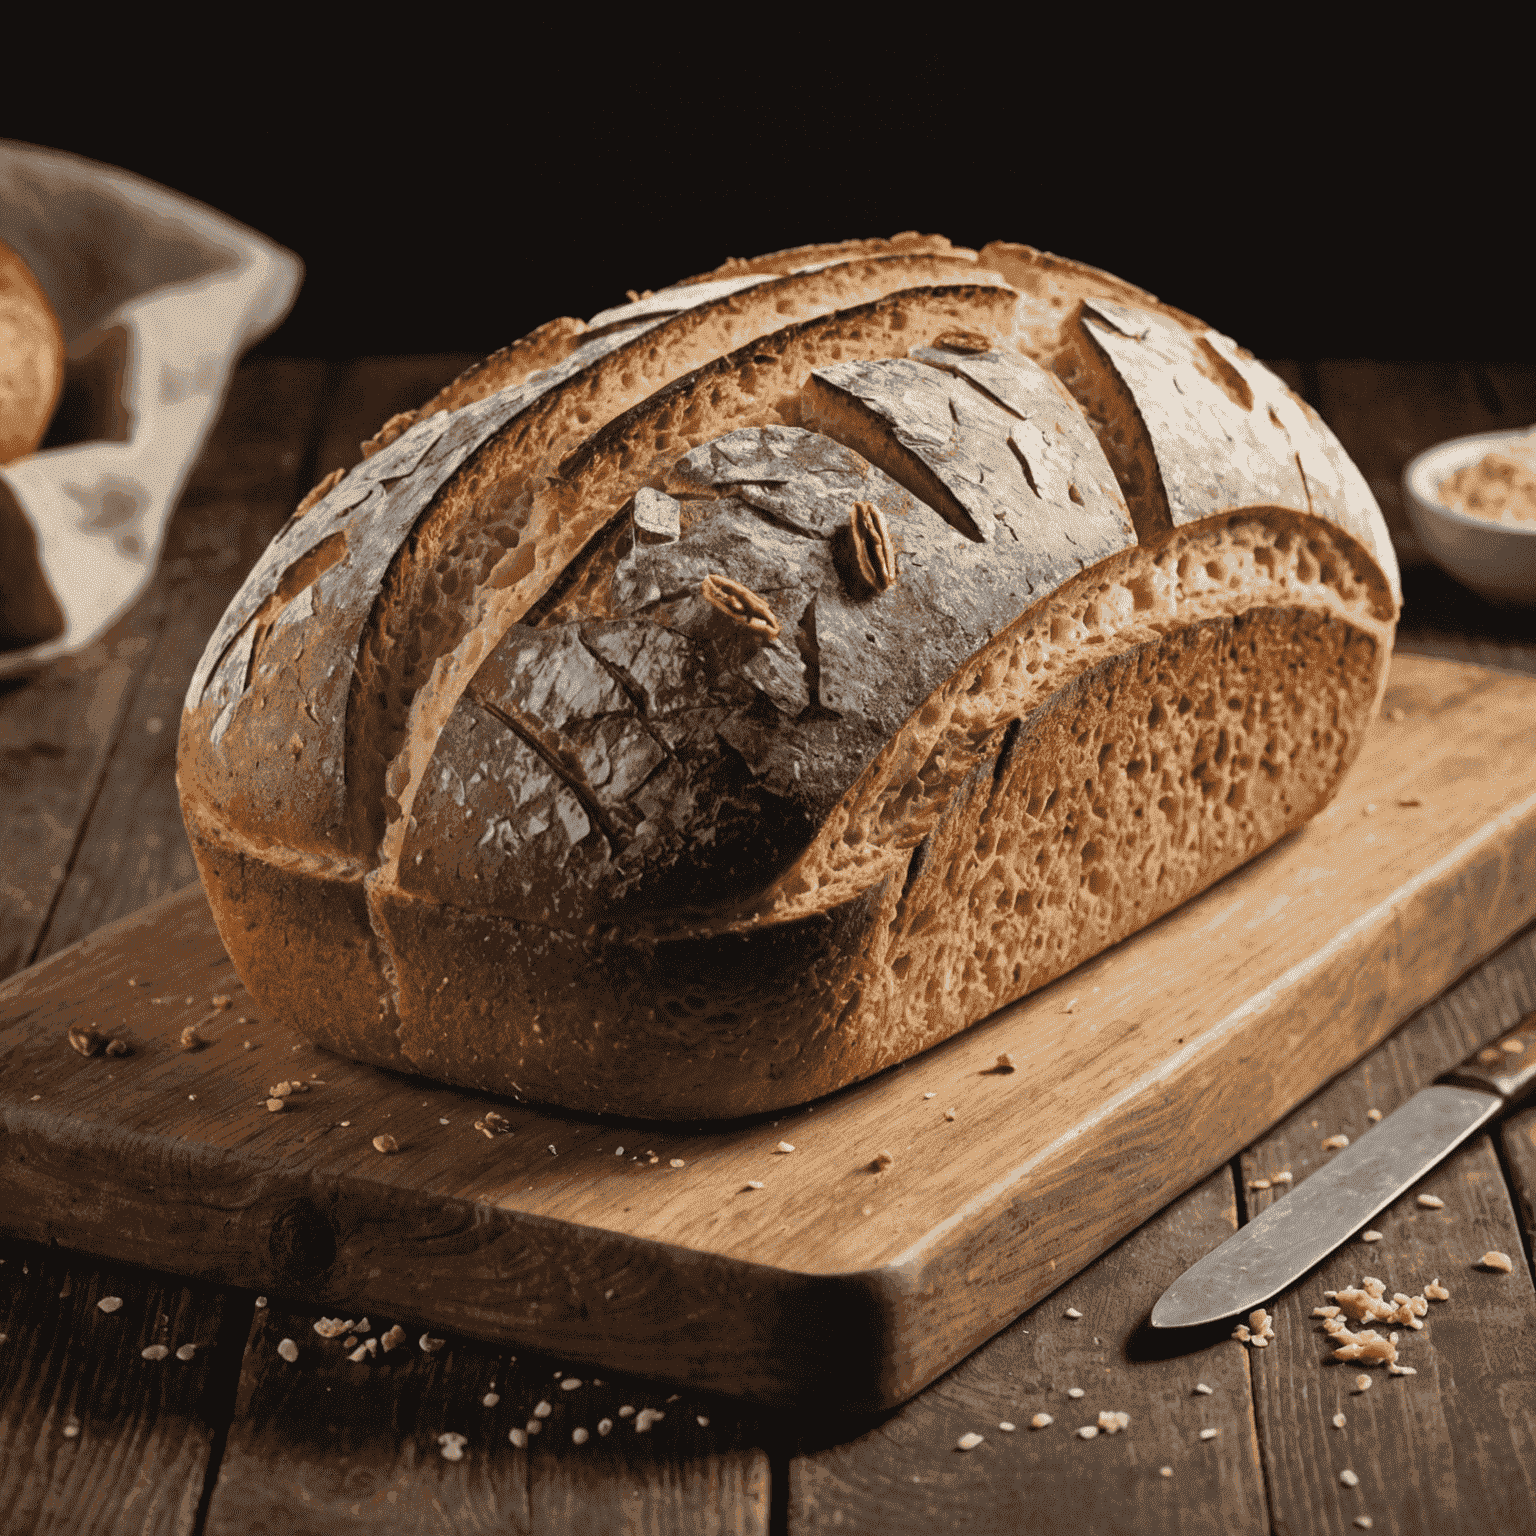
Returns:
point(1071, 1004)
point(754, 1184)
point(1373, 1115)
point(949, 1114)
point(578, 1436)
point(881, 1161)
point(358, 1355)
point(1401, 1370)
point(71, 1430)
point(385, 1143)
point(1363, 1521)
point(274, 1105)
point(490, 1399)
point(1209, 1434)
point(186, 1351)
point(117, 1047)
point(626, 1411)
point(1283, 1177)
point(645, 1418)
point(190, 1039)
point(1431, 1202)
point(533, 1427)
point(261, 1301)
point(1204, 1390)
point(1490, 1056)
point(429, 1345)
point(1370, 1237)
point(570, 1384)
point(333, 1327)
point(678, 1162)
point(288, 1350)
point(784, 1146)
point(1112, 1423)
point(1510, 1047)
point(1495, 1260)
point(1073, 1313)
point(86, 1039)
point(452, 1445)
point(1041, 1421)
point(930, 1095)
point(1339, 1421)
point(604, 1426)
point(1005, 1062)
point(542, 1409)
point(969, 1442)
point(1435, 1291)
point(518, 1437)
point(110, 1303)
point(1325, 1311)
point(1335, 1143)
point(1074, 1391)
point(155, 1352)
point(1165, 1471)
point(1362, 1383)
point(1349, 1479)
point(1005, 1426)
point(1088, 1432)
point(1258, 1183)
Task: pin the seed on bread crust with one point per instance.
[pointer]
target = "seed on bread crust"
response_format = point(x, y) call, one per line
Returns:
point(739, 603)
point(872, 549)
point(963, 341)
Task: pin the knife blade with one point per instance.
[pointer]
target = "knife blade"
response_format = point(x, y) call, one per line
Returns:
point(1321, 1213)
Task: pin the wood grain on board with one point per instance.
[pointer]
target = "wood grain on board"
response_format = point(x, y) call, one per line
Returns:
point(831, 1279)
point(1450, 1447)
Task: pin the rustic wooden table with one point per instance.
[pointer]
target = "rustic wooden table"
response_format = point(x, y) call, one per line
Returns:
point(93, 1437)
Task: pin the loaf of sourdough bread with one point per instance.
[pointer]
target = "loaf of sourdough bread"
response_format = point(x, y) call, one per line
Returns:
point(690, 712)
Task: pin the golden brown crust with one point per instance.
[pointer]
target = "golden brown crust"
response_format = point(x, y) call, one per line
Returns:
point(31, 358)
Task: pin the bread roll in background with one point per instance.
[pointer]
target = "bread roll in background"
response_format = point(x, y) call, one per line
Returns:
point(31, 358)
point(694, 710)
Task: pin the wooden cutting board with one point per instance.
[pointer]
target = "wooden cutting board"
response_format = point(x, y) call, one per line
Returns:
point(1136, 1075)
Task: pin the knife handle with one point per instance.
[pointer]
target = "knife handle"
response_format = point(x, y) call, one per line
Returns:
point(1497, 1069)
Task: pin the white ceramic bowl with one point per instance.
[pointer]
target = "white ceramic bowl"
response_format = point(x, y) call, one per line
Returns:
point(1496, 560)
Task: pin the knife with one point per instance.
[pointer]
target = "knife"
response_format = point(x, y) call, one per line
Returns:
point(1298, 1232)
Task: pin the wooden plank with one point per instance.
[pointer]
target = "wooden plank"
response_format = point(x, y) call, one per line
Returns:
point(310, 1449)
point(1448, 1449)
point(906, 1473)
point(372, 389)
point(1518, 1142)
point(1386, 412)
point(56, 734)
point(979, 1216)
point(142, 1429)
point(134, 849)
point(127, 844)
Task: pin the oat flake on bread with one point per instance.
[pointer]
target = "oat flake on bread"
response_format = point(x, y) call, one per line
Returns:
point(1076, 608)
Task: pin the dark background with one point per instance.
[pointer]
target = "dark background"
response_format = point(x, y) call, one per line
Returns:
point(453, 202)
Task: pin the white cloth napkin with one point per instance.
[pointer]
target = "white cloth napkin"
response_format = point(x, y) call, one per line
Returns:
point(157, 295)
